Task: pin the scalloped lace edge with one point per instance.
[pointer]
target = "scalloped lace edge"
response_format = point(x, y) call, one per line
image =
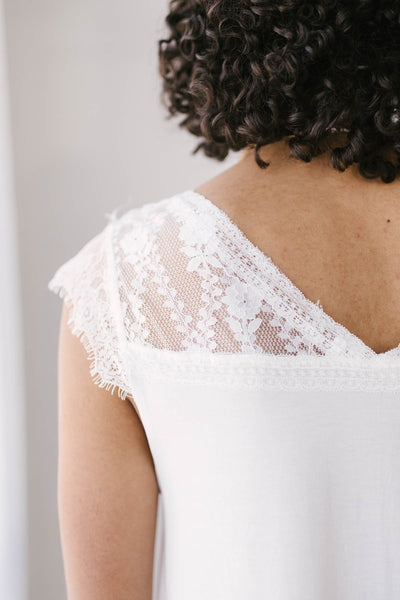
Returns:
point(98, 379)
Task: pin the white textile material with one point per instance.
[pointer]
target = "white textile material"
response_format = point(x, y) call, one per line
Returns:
point(275, 431)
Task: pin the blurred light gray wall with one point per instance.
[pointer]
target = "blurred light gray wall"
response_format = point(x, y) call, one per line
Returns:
point(89, 134)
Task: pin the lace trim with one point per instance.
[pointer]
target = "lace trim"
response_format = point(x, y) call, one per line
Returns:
point(251, 372)
point(86, 283)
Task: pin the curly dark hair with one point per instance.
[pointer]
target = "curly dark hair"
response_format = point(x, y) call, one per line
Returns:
point(247, 73)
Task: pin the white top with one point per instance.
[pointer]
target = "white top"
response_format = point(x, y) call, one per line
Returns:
point(275, 431)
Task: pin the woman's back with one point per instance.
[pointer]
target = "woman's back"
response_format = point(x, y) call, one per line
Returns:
point(272, 428)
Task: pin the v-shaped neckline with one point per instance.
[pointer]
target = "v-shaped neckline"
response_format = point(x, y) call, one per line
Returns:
point(344, 337)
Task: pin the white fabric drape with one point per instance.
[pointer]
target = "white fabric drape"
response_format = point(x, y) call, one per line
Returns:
point(13, 529)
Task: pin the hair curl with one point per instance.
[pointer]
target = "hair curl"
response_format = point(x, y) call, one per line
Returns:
point(247, 73)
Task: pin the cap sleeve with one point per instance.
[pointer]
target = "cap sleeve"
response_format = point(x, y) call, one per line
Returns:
point(88, 284)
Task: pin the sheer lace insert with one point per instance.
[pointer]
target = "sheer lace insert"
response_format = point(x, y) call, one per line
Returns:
point(176, 275)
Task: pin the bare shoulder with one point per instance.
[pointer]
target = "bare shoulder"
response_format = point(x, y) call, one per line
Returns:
point(107, 487)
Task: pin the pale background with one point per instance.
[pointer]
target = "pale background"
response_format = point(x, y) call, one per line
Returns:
point(88, 134)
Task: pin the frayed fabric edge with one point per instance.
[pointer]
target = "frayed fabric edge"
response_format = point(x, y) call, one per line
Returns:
point(61, 291)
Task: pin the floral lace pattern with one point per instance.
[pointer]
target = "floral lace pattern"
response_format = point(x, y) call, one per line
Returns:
point(177, 276)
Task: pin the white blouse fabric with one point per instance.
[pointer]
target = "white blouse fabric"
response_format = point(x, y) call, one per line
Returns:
point(275, 431)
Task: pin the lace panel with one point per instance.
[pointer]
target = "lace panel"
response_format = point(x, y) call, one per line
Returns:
point(183, 288)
